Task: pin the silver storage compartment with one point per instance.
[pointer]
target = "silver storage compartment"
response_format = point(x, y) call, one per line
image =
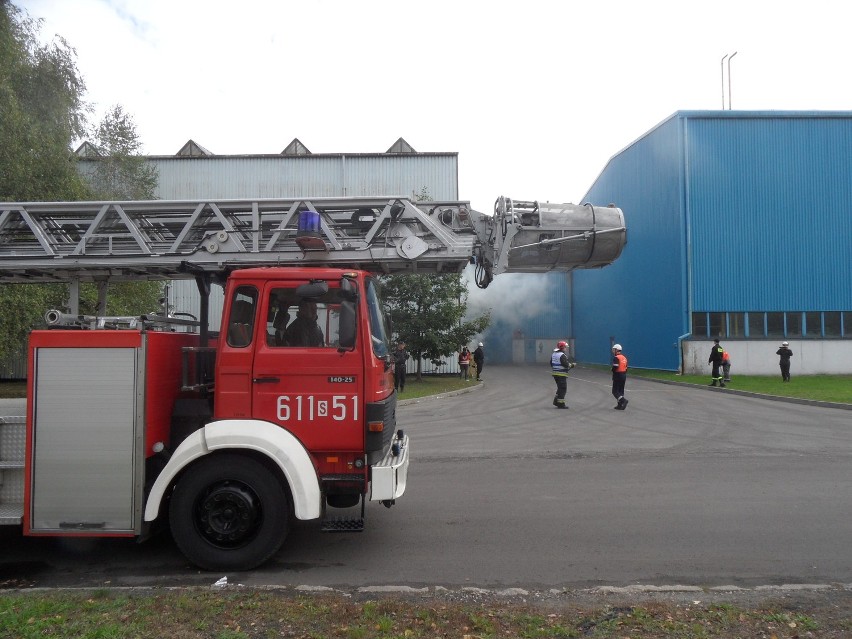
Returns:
point(85, 440)
point(13, 439)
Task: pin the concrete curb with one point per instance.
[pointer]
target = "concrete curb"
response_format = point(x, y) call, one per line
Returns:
point(461, 391)
point(690, 591)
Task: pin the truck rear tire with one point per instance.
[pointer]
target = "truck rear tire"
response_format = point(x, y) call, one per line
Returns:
point(229, 512)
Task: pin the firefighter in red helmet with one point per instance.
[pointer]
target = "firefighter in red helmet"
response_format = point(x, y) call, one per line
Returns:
point(560, 365)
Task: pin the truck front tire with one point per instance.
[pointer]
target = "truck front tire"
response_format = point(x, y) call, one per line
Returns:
point(229, 512)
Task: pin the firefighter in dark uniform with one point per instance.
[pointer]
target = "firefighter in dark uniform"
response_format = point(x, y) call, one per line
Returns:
point(716, 359)
point(785, 353)
point(400, 356)
point(619, 377)
point(560, 365)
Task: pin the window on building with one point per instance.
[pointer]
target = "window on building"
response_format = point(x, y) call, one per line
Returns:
point(717, 325)
point(794, 324)
point(775, 324)
point(833, 324)
point(813, 324)
point(736, 324)
point(699, 324)
point(756, 326)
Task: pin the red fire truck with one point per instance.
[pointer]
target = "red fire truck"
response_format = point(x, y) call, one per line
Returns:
point(288, 410)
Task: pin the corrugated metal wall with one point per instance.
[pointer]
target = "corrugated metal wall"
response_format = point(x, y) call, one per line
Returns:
point(640, 300)
point(327, 175)
point(770, 202)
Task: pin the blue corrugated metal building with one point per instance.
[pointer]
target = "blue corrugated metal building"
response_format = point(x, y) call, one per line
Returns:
point(739, 227)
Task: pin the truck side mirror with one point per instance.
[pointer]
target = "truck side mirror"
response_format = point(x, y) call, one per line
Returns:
point(348, 290)
point(348, 325)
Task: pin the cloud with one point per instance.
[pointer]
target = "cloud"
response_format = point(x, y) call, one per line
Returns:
point(139, 27)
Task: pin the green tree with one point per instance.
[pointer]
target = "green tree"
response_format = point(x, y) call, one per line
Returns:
point(428, 314)
point(121, 172)
point(41, 112)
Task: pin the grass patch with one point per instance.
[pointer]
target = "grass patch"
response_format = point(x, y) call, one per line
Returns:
point(260, 614)
point(433, 385)
point(12, 390)
point(825, 388)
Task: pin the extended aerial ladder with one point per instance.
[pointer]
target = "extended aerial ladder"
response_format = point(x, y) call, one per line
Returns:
point(120, 241)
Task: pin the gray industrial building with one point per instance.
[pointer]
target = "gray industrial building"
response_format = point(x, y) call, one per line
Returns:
point(739, 228)
point(196, 173)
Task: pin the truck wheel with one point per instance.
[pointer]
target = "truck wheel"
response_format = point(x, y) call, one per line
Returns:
point(229, 512)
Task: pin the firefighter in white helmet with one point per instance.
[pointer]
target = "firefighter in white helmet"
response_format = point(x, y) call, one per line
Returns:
point(560, 365)
point(619, 376)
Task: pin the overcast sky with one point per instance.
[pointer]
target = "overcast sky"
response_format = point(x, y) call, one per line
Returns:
point(535, 96)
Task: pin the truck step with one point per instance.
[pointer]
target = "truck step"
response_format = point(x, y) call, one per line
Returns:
point(11, 514)
point(343, 524)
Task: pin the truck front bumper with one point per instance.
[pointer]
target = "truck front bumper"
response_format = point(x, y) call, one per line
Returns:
point(390, 475)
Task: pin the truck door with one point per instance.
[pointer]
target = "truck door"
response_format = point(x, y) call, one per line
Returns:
point(236, 351)
point(301, 379)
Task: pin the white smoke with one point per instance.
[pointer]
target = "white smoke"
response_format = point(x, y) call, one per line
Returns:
point(512, 297)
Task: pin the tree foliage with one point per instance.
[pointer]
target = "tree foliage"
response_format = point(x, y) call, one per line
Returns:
point(42, 112)
point(428, 314)
point(121, 172)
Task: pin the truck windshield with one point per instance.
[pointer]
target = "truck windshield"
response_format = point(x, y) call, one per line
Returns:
point(378, 325)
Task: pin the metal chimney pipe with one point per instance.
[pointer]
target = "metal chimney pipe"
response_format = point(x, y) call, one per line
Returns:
point(729, 80)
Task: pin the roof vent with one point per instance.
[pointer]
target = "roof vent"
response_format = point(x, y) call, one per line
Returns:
point(296, 148)
point(401, 146)
point(193, 150)
point(88, 150)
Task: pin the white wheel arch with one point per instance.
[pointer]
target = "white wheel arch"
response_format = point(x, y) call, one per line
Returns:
point(272, 441)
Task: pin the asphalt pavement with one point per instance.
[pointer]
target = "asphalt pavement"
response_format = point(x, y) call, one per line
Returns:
point(687, 487)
